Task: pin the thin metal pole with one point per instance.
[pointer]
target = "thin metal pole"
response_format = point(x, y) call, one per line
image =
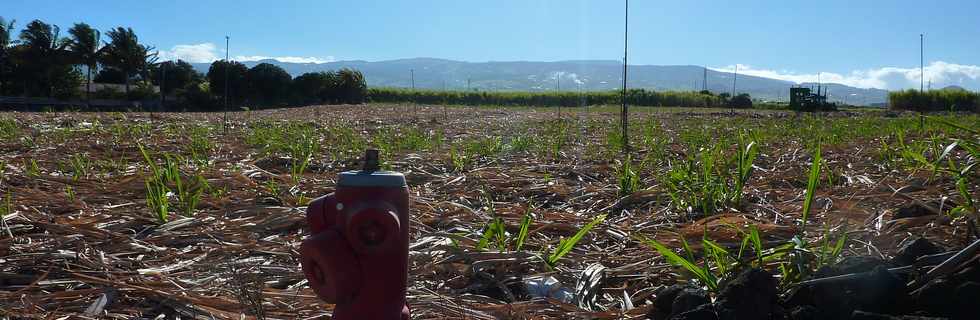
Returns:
point(558, 90)
point(624, 118)
point(704, 83)
point(445, 107)
point(734, 90)
point(227, 66)
point(163, 85)
point(922, 62)
point(415, 104)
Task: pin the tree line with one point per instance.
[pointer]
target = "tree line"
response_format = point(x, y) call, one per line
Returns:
point(638, 97)
point(40, 62)
point(935, 100)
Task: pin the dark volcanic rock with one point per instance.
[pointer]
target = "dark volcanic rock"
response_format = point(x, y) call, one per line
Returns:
point(664, 302)
point(703, 312)
point(752, 295)
point(880, 291)
point(805, 313)
point(689, 299)
point(863, 315)
point(936, 297)
point(911, 211)
point(913, 250)
point(849, 265)
point(877, 290)
point(677, 299)
point(967, 305)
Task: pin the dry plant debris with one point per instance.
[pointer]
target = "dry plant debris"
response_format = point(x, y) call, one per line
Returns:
point(151, 216)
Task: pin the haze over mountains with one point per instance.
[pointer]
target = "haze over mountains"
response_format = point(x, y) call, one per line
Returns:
point(572, 75)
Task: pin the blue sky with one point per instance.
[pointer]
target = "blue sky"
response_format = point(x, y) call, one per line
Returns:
point(862, 43)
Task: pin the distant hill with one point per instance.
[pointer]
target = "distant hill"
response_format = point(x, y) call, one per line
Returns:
point(433, 73)
point(954, 88)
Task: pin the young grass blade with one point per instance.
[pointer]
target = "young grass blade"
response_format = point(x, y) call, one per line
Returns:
point(721, 256)
point(525, 228)
point(149, 162)
point(629, 182)
point(675, 259)
point(156, 199)
point(492, 232)
point(811, 186)
point(565, 245)
point(756, 242)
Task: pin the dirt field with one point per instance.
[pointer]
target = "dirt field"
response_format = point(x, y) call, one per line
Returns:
point(83, 233)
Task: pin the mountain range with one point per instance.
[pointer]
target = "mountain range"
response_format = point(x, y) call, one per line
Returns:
point(430, 73)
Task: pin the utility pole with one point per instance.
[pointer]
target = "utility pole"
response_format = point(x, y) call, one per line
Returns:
point(445, 108)
point(227, 66)
point(704, 82)
point(624, 117)
point(163, 85)
point(922, 77)
point(415, 104)
point(468, 84)
point(731, 105)
point(557, 90)
point(557, 81)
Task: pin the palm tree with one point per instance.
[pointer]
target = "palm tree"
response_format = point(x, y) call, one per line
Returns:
point(45, 49)
point(124, 53)
point(5, 28)
point(85, 47)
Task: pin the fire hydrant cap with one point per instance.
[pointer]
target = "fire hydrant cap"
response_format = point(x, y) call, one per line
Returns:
point(371, 179)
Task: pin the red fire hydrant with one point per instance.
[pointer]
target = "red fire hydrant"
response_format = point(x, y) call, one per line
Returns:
point(357, 254)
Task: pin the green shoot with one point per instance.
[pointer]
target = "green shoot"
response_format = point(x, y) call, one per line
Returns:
point(200, 146)
point(565, 245)
point(962, 181)
point(703, 274)
point(629, 181)
point(459, 159)
point(32, 169)
point(190, 195)
point(811, 186)
point(493, 233)
point(156, 199)
point(70, 193)
point(525, 228)
point(746, 156)
point(7, 207)
point(521, 143)
point(79, 166)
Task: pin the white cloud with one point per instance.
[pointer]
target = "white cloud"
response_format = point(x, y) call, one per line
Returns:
point(208, 52)
point(890, 78)
point(287, 59)
point(204, 52)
